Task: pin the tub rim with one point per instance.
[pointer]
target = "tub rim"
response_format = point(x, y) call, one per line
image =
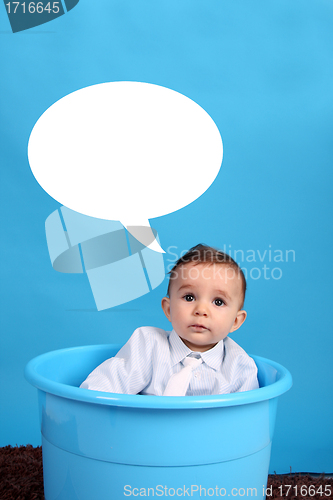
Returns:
point(66, 391)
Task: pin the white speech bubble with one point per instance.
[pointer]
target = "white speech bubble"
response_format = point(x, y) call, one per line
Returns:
point(126, 151)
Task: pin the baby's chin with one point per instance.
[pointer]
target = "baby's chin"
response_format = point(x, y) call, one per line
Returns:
point(198, 346)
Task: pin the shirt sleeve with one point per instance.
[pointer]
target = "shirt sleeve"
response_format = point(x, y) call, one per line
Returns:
point(129, 372)
point(247, 380)
point(239, 370)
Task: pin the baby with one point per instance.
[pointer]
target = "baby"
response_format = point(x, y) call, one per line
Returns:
point(204, 303)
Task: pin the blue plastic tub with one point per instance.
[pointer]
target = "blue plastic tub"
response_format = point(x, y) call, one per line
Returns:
point(100, 445)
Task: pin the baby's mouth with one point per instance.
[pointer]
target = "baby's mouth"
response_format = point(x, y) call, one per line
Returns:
point(199, 328)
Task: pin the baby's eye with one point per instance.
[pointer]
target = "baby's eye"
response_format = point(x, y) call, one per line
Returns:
point(189, 297)
point(218, 302)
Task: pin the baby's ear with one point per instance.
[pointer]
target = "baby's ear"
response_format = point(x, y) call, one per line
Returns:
point(166, 307)
point(239, 320)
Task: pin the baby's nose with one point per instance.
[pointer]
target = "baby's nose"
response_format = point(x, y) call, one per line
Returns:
point(200, 310)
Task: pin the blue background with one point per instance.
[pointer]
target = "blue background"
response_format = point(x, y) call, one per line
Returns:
point(263, 70)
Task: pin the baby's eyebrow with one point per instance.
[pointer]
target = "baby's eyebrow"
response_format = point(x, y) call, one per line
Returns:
point(224, 293)
point(185, 286)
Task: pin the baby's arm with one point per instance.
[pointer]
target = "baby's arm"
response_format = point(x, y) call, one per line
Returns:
point(248, 379)
point(238, 368)
point(129, 372)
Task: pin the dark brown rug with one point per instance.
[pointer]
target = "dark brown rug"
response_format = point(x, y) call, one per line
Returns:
point(21, 478)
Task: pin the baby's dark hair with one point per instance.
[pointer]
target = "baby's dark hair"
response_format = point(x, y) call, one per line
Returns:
point(200, 254)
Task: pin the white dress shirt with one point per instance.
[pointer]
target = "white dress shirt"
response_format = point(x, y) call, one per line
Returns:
point(146, 362)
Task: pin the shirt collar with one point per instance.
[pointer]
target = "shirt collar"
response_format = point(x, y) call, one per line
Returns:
point(214, 356)
point(179, 351)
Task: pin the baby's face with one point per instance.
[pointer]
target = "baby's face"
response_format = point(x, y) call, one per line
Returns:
point(204, 304)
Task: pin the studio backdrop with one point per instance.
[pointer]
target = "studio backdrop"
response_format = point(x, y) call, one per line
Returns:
point(262, 73)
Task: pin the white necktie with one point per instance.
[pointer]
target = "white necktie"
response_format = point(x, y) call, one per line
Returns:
point(179, 382)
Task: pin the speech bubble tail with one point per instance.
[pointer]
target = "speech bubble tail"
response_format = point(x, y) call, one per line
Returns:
point(144, 234)
point(156, 246)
